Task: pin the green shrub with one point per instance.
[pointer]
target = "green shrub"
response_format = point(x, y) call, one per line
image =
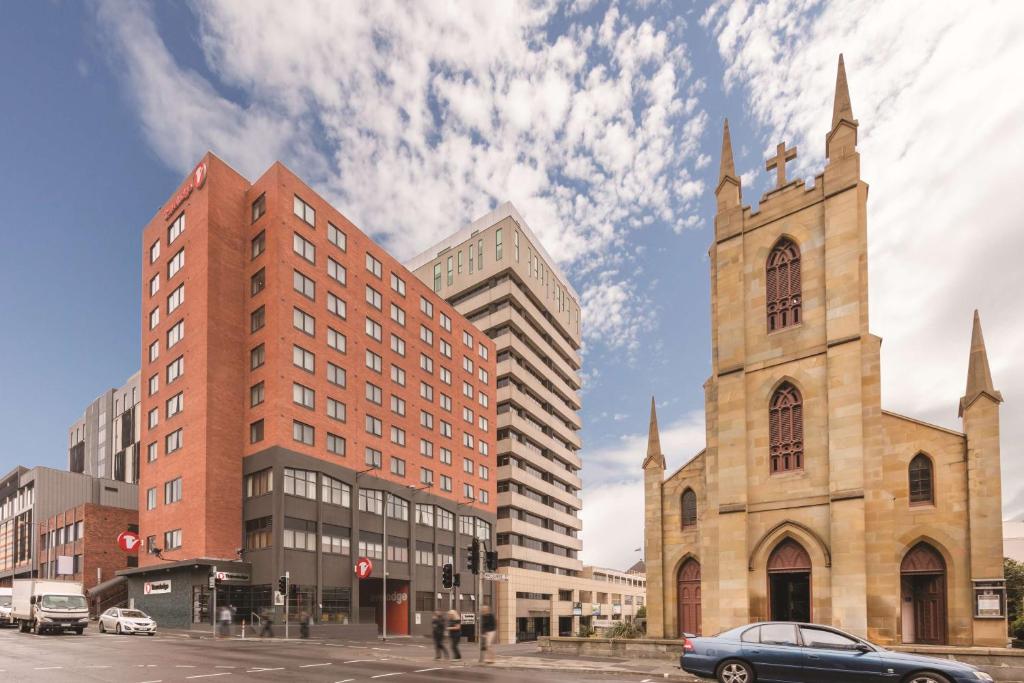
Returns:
point(625, 629)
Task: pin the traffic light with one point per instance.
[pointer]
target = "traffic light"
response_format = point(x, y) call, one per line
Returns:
point(282, 585)
point(457, 580)
point(492, 560)
point(473, 557)
point(446, 575)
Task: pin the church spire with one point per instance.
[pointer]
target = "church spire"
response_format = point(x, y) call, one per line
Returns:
point(841, 108)
point(727, 168)
point(979, 376)
point(654, 457)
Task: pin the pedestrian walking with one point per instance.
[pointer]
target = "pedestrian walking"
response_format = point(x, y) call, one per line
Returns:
point(304, 625)
point(488, 629)
point(454, 632)
point(224, 618)
point(268, 624)
point(438, 627)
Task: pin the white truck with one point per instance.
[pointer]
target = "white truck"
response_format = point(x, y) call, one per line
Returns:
point(40, 606)
point(5, 607)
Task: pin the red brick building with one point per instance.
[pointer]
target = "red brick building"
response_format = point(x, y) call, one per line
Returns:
point(88, 534)
point(297, 384)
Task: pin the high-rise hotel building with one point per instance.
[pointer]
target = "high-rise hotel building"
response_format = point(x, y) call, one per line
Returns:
point(497, 274)
point(301, 391)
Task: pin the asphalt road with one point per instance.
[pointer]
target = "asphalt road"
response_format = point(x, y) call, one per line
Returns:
point(165, 658)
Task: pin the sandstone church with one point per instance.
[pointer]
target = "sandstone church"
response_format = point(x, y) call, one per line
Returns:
point(810, 502)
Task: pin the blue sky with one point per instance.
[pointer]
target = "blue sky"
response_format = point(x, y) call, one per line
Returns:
point(601, 121)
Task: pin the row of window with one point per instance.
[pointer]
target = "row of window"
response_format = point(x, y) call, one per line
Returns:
point(172, 493)
point(69, 533)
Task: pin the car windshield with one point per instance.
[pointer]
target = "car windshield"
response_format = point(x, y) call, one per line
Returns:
point(5, 602)
point(133, 614)
point(62, 602)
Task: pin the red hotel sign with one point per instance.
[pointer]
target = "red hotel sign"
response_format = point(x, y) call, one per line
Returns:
point(195, 181)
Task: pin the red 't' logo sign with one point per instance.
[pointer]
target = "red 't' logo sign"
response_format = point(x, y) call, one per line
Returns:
point(129, 541)
point(364, 568)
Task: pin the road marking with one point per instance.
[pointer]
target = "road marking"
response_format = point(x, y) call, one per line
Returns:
point(156, 681)
point(98, 666)
point(397, 673)
point(184, 666)
point(224, 666)
point(347, 680)
point(262, 669)
point(47, 668)
point(356, 661)
point(223, 673)
point(306, 666)
point(423, 671)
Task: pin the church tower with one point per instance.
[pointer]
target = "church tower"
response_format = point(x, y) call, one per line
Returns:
point(654, 474)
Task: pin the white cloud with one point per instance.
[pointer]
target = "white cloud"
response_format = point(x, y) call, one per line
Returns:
point(941, 137)
point(614, 495)
point(416, 118)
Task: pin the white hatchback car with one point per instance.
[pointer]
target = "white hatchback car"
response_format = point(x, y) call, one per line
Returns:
point(131, 621)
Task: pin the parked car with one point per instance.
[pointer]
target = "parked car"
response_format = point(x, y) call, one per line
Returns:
point(123, 620)
point(6, 613)
point(789, 652)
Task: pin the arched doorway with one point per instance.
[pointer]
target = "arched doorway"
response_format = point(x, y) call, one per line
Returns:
point(789, 582)
point(923, 588)
point(688, 596)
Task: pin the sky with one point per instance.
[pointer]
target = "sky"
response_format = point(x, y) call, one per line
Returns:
point(601, 121)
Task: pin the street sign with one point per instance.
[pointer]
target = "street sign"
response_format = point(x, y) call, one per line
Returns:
point(278, 598)
point(468, 618)
point(156, 587)
point(495, 576)
point(232, 576)
point(364, 568)
point(129, 541)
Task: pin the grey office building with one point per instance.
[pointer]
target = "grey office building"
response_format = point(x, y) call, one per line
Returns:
point(104, 441)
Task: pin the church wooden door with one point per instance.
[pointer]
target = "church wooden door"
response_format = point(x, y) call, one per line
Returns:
point(923, 573)
point(689, 597)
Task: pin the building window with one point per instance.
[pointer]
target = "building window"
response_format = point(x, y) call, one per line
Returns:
point(154, 317)
point(151, 452)
point(445, 519)
point(786, 429)
point(782, 288)
point(303, 395)
point(372, 457)
point(259, 207)
point(426, 308)
point(154, 284)
point(258, 282)
point(398, 284)
point(397, 508)
point(373, 329)
point(398, 549)
point(172, 539)
point(258, 533)
point(303, 285)
point(259, 483)
point(426, 476)
point(259, 244)
point(176, 263)
point(257, 319)
point(373, 265)
point(176, 333)
point(303, 321)
point(173, 441)
point(256, 394)
point(373, 297)
point(175, 298)
point(154, 251)
point(335, 540)
point(175, 404)
point(172, 491)
point(397, 344)
point(176, 228)
point(336, 271)
point(446, 483)
point(337, 237)
point(398, 375)
point(335, 409)
point(299, 534)
point(336, 340)
point(256, 431)
point(302, 432)
point(371, 501)
point(303, 247)
point(374, 425)
point(335, 374)
point(920, 474)
point(451, 270)
point(151, 498)
point(304, 211)
point(304, 359)
point(335, 444)
point(301, 483)
point(397, 405)
point(485, 497)
point(371, 545)
point(335, 492)
point(497, 245)
point(689, 507)
point(437, 277)
point(257, 356)
point(480, 254)
point(374, 394)
point(425, 514)
point(154, 384)
point(398, 466)
point(398, 314)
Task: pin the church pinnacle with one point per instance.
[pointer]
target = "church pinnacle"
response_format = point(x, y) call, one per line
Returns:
point(654, 457)
point(979, 376)
point(841, 108)
point(727, 169)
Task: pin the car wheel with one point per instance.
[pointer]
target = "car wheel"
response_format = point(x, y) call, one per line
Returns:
point(735, 671)
point(80, 631)
point(152, 633)
point(103, 629)
point(926, 677)
point(117, 628)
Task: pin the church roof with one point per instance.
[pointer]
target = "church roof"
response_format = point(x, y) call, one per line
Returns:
point(979, 376)
point(841, 107)
point(654, 454)
point(639, 568)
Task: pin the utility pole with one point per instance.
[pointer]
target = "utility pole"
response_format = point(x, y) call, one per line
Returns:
point(384, 593)
point(213, 599)
point(287, 590)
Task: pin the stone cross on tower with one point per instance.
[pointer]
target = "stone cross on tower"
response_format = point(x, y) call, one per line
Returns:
point(778, 162)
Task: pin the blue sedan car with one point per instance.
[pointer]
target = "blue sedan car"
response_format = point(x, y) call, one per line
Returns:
point(787, 652)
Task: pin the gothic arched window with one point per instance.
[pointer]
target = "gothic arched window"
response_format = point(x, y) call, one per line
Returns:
point(782, 290)
point(689, 508)
point(920, 477)
point(786, 429)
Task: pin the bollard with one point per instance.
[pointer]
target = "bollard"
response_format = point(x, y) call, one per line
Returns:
point(243, 629)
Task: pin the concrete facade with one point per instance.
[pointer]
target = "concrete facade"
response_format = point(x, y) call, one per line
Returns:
point(846, 510)
point(104, 441)
point(88, 533)
point(498, 274)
